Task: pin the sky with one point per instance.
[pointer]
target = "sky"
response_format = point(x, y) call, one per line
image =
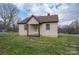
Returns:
point(67, 12)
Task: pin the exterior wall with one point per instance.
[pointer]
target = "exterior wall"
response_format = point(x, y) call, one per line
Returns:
point(33, 21)
point(53, 32)
point(22, 31)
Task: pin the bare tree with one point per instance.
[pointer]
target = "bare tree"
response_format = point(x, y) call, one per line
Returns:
point(76, 22)
point(14, 23)
point(7, 12)
point(73, 28)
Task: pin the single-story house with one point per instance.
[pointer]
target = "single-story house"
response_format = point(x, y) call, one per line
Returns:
point(39, 26)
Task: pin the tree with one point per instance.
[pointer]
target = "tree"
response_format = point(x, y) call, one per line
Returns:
point(14, 23)
point(73, 28)
point(7, 12)
point(1, 25)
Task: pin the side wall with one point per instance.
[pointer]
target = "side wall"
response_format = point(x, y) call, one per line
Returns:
point(53, 32)
point(22, 31)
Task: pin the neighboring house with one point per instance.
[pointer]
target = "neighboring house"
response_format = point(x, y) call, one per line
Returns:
point(39, 26)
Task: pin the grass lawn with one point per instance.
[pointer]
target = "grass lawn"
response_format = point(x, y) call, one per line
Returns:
point(12, 44)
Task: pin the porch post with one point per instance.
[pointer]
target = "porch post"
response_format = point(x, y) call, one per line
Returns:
point(27, 29)
point(39, 29)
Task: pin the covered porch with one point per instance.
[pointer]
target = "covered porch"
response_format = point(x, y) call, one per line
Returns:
point(33, 30)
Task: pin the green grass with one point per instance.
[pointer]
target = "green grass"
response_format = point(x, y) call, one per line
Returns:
point(13, 44)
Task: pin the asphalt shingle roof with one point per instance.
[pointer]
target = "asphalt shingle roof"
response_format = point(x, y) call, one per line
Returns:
point(42, 19)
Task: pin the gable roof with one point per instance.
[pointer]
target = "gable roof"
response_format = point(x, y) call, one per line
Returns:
point(41, 19)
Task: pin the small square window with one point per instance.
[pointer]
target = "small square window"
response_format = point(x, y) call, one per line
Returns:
point(47, 26)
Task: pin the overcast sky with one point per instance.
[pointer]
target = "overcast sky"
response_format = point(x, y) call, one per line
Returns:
point(66, 12)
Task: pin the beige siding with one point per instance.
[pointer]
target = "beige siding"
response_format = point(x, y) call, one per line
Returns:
point(22, 31)
point(32, 21)
point(53, 32)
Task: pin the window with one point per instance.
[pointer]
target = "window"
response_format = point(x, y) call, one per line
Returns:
point(25, 27)
point(47, 26)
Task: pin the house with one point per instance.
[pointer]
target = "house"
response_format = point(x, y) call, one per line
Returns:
point(39, 26)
